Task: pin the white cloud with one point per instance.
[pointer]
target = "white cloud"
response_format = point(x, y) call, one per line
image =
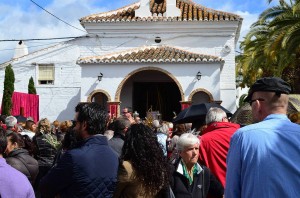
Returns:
point(36, 23)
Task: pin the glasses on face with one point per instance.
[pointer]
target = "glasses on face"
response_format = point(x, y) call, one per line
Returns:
point(253, 100)
point(124, 112)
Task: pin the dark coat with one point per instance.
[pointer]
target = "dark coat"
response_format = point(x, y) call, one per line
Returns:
point(23, 162)
point(44, 152)
point(88, 170)
point(204, 184)
point(117, 142)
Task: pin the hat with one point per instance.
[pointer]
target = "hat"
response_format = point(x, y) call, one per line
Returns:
point(269, 84)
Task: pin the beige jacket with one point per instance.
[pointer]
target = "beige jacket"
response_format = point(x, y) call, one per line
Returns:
point(128, 186)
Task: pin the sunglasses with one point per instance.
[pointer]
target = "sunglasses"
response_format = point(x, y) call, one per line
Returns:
point(253, 100)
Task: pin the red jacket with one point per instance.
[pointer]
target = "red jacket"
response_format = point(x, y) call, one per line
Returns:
point(214, 145)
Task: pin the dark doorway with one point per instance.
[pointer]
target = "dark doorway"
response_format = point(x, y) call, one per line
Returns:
point(101, 99)
point(160, 96)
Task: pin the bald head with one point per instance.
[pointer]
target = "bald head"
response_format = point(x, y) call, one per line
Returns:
point(266, 103)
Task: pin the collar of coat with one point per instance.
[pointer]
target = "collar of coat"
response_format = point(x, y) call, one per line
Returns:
point(180, 168)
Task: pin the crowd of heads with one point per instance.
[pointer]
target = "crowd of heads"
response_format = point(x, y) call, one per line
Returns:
point(144, 143)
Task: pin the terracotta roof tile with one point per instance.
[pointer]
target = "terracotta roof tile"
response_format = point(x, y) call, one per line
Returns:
point(150, 54)
point(190, 11)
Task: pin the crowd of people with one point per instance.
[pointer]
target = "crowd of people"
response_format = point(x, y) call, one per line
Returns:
point(92, 156)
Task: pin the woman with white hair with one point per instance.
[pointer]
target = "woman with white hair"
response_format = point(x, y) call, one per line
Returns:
point(189, 178)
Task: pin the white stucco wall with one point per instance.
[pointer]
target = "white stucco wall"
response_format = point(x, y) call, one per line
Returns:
point(73, 85)
point(57, 101)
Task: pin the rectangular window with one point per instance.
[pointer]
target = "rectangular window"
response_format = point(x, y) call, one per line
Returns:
point(46, 74)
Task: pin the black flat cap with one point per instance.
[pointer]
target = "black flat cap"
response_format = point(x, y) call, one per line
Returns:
point(269, 84)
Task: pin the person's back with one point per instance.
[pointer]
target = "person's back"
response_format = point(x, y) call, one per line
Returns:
point(12, 182)
point(121, 126)
point(263, 159)
point(272, 158)
point(215, 142)
point(22, 161)
point(90, 168)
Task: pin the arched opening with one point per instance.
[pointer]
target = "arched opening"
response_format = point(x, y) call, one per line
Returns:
point(154, 90)
point(200, 96)
point(99, 96)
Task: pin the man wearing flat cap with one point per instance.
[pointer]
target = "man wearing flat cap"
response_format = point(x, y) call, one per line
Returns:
point(264, 158)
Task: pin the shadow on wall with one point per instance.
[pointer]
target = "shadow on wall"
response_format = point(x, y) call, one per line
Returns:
point(69, 112)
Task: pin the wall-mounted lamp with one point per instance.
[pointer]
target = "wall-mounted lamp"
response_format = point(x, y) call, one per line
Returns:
point(198, 76)
point(100, 76)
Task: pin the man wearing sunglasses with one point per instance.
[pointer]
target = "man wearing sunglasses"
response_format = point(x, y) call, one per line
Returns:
point(264, 158)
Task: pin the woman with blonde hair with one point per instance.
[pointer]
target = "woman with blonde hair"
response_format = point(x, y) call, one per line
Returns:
point(46, 145)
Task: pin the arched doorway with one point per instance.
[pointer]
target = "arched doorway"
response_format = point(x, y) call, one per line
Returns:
point(151, 89)
point(99, 96)
point(200, 96)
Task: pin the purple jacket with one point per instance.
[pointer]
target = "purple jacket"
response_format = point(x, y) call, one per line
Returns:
point(13, 183)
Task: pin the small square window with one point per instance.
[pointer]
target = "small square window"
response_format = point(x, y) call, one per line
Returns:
point(46, 74)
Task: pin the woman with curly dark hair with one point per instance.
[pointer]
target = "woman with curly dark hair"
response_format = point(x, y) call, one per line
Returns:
point(144, 170)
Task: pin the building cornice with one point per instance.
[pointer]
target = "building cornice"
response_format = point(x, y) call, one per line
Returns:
point(151, 54)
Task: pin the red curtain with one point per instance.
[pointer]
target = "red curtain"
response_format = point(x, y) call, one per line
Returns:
point(28, 103)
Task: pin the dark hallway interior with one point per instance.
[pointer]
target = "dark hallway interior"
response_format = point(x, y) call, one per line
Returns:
point(161, 96)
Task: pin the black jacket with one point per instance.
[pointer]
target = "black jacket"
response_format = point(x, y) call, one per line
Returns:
point(23, 162)
point(44, 152)
point(204, 184)
point(117, 142)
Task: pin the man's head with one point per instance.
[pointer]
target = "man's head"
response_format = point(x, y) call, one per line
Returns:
point(215, 114)
point(3, 142)
point(268, 96)
point(121, 125)
point(90, 119)
point(11, 122)
point(127, 112)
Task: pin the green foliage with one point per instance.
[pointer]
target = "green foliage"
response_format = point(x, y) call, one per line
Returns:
point(9, 80)
point(31, 88)
point(272, 47)
point(241, 100)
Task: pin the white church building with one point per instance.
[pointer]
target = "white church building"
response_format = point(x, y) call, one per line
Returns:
point(162, 55)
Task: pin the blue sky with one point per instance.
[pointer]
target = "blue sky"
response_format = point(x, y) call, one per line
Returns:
point(22, 19)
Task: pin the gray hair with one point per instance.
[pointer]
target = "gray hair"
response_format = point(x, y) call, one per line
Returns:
point(163, 129)
point(215, 114)
point(185, 140)
point(10, 121)
point(121, 123)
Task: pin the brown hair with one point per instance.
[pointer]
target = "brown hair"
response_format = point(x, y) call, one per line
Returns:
point(65, 125)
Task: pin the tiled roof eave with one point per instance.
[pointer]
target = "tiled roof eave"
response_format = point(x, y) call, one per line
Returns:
point(151, 54)
point(80, 62)
point(190, 11)
point(156, 20)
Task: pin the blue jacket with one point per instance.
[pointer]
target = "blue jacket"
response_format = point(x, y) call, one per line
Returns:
point(89, 170)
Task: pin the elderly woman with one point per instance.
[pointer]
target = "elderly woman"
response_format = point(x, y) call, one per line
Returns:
point(189, 178)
